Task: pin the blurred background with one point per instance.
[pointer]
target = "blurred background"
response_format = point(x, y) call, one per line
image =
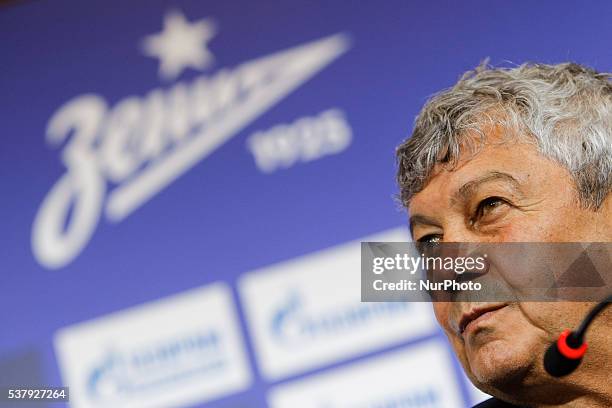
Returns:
point(185, 185)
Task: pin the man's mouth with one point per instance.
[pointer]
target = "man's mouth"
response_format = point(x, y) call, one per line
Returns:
point(478, 314)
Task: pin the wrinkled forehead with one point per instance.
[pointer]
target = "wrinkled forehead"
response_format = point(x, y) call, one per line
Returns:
point(422, 161)
point(489, 156)
point(515, 171)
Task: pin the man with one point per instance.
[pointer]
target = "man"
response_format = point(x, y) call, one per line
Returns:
point(517, 155)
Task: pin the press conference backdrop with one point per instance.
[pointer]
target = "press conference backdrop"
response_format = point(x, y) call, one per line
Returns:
point(185, 185)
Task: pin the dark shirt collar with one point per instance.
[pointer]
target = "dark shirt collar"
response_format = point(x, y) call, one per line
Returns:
point(495, 403)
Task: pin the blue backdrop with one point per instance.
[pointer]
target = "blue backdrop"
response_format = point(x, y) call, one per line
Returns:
point(295, 154)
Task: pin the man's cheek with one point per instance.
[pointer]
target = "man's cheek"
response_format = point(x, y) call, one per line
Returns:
point(521, 228)
point(550, 318)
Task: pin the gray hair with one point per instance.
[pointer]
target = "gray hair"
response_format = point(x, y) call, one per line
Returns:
point(566, 109)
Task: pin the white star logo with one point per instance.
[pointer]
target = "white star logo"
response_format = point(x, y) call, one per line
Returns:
point(180, 45)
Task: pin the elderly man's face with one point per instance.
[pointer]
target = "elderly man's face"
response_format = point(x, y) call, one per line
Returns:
point(507, 192)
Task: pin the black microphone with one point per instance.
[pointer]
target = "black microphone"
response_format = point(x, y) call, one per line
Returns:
point(565, 354)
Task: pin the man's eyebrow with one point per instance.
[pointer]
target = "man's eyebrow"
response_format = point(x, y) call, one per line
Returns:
point(465, 191)
point(468, 188)
point(422, 219)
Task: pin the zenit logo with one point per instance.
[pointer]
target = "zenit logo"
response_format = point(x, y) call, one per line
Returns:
point(143, 143)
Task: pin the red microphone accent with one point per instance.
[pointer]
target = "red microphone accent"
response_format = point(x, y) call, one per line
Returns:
point(566, 350)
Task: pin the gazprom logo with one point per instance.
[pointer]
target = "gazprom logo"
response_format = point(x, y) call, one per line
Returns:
point(293, 322)
point(129, 373)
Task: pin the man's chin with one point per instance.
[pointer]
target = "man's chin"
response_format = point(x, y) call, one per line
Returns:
point(498, 365)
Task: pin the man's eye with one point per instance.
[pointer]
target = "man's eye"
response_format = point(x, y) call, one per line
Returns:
point(488, 206)
point(430, 239)
point(429, 244)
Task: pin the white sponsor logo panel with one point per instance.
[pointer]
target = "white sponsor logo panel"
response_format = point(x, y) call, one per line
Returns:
point(307, 312)
point(172, 352)
point(417, 377)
